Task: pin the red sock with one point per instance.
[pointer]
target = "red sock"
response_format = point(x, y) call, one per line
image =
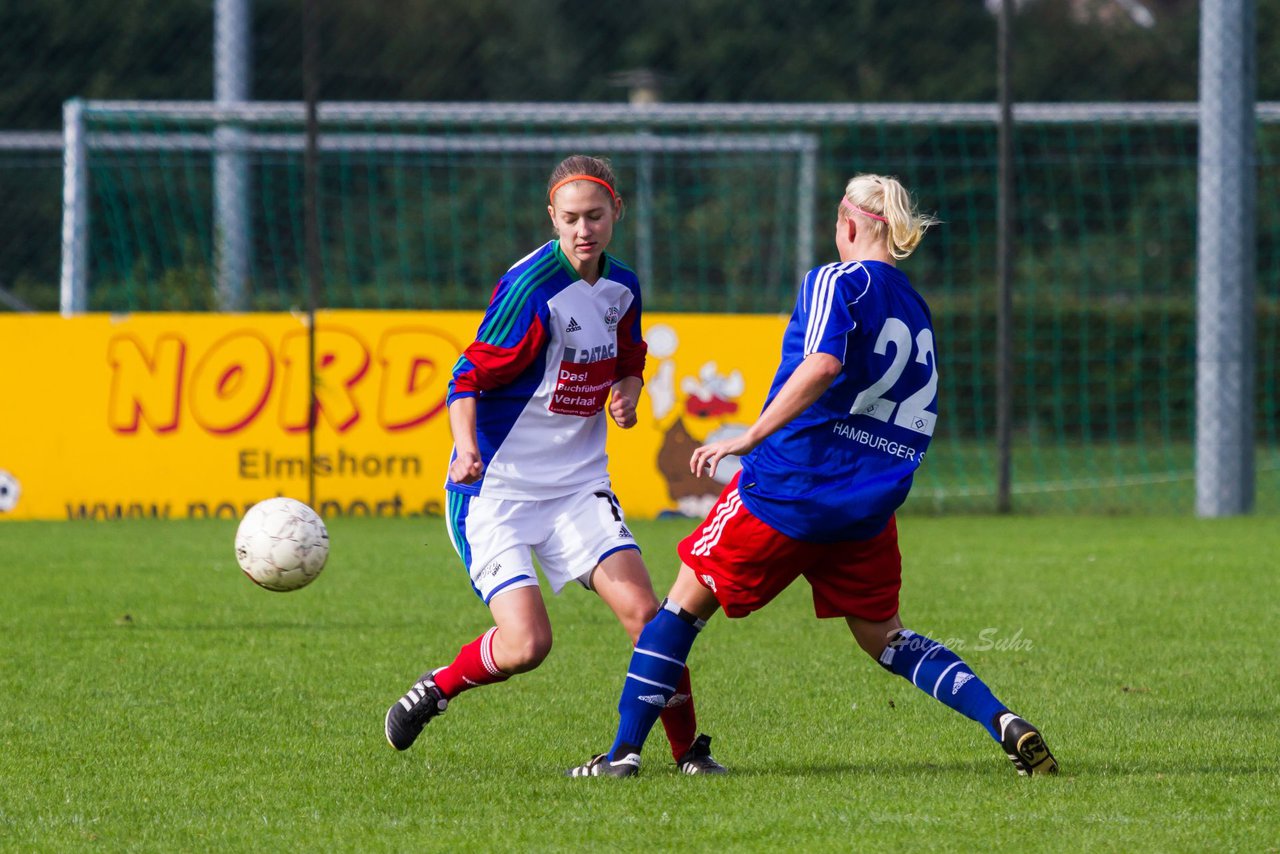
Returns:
point(678, 718)
point(472, 668)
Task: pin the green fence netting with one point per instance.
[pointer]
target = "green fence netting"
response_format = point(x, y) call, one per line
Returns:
point(424, 207)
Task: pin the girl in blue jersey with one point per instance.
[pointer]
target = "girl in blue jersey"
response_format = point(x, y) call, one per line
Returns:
point(559, 344)
point(846, 423)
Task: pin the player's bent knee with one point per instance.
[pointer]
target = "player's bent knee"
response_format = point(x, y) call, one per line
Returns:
point(521, 654)
point(634, 621)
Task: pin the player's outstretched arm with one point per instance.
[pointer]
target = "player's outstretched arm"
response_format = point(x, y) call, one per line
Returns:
point(813, 377)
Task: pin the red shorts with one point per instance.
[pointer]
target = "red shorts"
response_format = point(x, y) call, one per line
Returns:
point(746, 563)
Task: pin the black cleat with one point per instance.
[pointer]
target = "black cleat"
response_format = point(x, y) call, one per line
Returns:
point(1025, 746)
point(408, 715)
point(698, 760)
point(601, 766)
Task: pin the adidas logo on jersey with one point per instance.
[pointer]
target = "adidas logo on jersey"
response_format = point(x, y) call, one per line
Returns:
point(574, 325)
point(961, 678)
point(624, 532)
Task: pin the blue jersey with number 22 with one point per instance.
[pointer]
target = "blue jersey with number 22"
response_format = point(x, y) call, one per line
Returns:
point(839, 470)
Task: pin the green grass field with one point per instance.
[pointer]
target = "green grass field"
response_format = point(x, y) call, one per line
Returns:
point(154, 699)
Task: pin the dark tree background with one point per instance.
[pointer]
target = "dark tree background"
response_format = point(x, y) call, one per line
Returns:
point(565, 50)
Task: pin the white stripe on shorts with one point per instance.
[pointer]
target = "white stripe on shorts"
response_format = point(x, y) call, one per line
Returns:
point(723, 513)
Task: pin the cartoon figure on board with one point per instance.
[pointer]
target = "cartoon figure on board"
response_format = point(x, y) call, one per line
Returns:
point(710, 400)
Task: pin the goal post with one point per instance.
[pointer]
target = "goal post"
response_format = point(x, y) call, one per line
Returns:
point(423, 205)
point(206, 130)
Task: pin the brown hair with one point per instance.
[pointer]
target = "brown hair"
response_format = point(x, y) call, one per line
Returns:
point(585, 165)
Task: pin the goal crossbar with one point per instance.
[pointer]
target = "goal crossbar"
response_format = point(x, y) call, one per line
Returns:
point(657, 115)
point(223, 140)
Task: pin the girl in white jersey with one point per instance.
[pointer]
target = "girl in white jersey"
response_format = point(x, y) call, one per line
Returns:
point(559, 344)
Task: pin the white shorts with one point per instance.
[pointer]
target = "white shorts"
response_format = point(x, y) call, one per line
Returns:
point(496, 538)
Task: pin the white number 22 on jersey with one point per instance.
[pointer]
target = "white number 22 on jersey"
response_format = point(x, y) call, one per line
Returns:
point(911, 412)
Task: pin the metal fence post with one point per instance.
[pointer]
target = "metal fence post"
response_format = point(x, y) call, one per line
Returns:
point(644, 220)
point(1006, 195)
point(73, 298)
point(806, 200)
point(231, 80)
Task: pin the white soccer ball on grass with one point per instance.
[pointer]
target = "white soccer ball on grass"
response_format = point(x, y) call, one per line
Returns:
point(282, 544)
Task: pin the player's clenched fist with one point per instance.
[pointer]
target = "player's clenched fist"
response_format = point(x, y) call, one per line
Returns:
point(622, 409)
point(466, 467)
point(622, 402)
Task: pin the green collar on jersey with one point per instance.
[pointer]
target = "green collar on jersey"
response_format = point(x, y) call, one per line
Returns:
point(606, 267)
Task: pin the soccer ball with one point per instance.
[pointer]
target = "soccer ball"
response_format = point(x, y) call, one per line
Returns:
point(282, 544)
point(9, 491)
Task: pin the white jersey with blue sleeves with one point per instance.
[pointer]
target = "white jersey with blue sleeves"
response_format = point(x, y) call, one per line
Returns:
point(841, 468)
point(546, 356)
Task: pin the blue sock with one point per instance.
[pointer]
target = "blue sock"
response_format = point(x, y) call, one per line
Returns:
point(943, 675)
point(656, 666)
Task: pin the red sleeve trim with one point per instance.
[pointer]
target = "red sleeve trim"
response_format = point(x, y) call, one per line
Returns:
point(493, 366)
point(632, 349)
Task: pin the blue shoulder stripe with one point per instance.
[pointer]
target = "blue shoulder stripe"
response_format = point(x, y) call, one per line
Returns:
point(498, 325)
point(615, 263)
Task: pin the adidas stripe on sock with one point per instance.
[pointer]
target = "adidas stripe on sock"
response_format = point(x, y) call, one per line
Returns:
point(943, 675)
point(657, 664)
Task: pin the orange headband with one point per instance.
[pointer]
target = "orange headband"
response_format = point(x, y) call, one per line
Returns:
point(603, 183)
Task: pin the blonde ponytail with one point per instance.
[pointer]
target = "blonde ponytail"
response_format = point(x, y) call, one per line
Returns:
point(893, 213)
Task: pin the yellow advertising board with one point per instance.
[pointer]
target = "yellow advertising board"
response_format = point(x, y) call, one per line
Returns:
point(202, 415)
